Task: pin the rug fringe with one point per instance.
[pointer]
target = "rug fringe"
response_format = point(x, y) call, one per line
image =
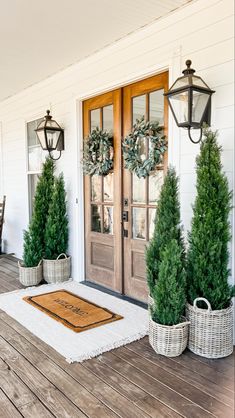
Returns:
point(109, 347)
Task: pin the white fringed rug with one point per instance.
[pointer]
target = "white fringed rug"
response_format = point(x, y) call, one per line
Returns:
point(87, 344)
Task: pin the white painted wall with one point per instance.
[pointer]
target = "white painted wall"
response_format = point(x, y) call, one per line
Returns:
point(201, 31)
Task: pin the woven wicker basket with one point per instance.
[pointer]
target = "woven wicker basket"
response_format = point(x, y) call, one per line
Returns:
point(57, 271)
point(210, 332)
point(170, 341)
point(30, 276)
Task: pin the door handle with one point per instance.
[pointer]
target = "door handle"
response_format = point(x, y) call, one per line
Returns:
point(125, 216)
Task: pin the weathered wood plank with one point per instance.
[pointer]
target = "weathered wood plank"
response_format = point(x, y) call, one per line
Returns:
point(35, 409)
point(190, 392)
point(180, 371)
point(111, 398)
point(205, 371)
point(7, 409)
point(223, 365)
point(158, 390)
point(5, 270)
point(19, 394)
point(144, 401)
point(10, 264)
point(48, 394)
point(73, 390)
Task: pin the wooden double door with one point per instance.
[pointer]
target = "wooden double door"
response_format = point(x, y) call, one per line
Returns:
point(120, 208)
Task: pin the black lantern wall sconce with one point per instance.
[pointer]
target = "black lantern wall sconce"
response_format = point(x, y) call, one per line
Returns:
point(50, 135)
point(189, 99)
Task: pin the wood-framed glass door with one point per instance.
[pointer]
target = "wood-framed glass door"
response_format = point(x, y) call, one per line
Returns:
point(141, 99)
point(103, 197)
point(120, 208)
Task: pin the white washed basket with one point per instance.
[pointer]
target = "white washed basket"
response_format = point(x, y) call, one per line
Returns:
point(57, 271)
point(30, 276)
point(210, 332)
point(168, 340)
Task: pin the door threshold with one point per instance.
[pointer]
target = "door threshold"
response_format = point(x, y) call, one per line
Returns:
point(116, 294)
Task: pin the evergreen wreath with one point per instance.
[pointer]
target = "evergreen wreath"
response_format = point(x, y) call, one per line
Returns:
point(133, 159)
point(98, 153)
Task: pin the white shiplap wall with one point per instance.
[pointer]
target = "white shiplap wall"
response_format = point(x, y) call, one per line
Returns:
point(201, 31)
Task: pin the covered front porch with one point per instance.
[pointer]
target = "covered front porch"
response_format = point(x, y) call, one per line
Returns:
point(128, 382)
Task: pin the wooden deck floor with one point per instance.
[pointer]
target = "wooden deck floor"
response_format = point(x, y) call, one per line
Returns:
point(129, 382)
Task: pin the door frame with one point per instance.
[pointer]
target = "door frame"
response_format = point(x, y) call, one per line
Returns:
point(173, 64)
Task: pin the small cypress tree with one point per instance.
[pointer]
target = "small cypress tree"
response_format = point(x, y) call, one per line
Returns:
point(56, 233)
point(167, 227)
point(34, 238)
point(170, 290)
point(208, 255)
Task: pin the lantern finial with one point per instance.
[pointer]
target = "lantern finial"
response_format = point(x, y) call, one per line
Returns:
point(48, 116)
point(188, 70)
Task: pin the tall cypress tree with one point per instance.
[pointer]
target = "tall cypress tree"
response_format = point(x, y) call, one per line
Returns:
point(167, 227)
point(208, 255)
point(34, 238)
point(170, 290)
point(56, 233)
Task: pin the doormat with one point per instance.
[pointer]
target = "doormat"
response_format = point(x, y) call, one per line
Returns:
point(71, 310)
point(77, 346)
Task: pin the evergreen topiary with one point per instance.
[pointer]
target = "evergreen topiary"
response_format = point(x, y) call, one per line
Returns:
point(56, 233)
point(170, 290)
point(208, 255)
point(167, 227)
point(34, 238)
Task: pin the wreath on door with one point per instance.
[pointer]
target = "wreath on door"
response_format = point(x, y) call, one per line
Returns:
point(98, 153)
point(136, 159)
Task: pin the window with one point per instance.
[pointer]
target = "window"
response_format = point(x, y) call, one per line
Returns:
point(36, 157)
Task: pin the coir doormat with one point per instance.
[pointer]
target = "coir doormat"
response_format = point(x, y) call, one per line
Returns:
point(71, 310)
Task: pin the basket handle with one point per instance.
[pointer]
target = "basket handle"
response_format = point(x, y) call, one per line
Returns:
point(204, 300)
point(65, 256)
point(40, 262)
point(182, 323)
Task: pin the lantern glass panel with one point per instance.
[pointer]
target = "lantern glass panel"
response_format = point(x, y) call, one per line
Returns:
point(179, 103)
point(52, 124)
point(41, 124)
point(180, 82)
point(52, 138)
point(200, 101)
point(197, 81)
point(42, 139)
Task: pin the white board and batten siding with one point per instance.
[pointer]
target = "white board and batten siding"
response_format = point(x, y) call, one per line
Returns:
point(201, 31)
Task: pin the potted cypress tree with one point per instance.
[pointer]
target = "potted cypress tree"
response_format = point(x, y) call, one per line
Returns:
point(55, 268)
point(30, 271)
point(209, 306)
point(168, 329)
point(167, 227)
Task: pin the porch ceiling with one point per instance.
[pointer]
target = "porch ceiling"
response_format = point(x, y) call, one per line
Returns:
point(40, 38)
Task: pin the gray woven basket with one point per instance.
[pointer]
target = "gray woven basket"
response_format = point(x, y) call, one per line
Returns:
point(30, 276)
point(57, 271)
point(170, 341)
point(210, 332)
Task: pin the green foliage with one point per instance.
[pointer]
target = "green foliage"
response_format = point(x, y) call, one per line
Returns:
point(170, 290)
point(134, 148)
point(98, 153)
point(34, 238)
point(56, 233)
point(208, 255)
point(167, 227)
